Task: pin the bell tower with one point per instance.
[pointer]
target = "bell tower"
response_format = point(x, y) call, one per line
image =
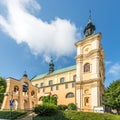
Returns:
point(89, 69)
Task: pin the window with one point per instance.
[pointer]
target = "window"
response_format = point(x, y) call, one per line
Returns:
point(86, 101)
point(43, 89)
point(51, 88)
point(25, 87)
point(36, 85)
point(70, 95)
point(40, 99)
point(62, 80)
point(42, 84)
point(73, 84)
point(16, 89)
point(38, 90)
point(50, 82)
point(87, 67)
point(57, 87)
point(66, 85)
point(74, 78)
point(32, 93)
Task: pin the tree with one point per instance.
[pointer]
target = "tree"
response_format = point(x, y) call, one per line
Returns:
point(2, 89)
point(112, 95)
point(49, 100)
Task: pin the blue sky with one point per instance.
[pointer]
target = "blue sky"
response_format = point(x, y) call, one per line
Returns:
point(31, 31)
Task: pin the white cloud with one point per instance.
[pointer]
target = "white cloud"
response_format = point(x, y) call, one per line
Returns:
point(115, 69)
point(47, 58)
point(56, 38)
point(107, 62)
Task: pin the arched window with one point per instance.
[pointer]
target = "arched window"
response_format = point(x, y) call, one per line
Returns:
point(86, 101)
point(33, 104)
point(74, 78)
point(62, 80)
point(87, 67)
point(16, 89)
point(25, 87)
point(50, 83)
point(55, 95)
point(69, 95)
point(40, 99)
point(32, 93)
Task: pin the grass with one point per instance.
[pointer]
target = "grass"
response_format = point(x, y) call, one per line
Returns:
point(5, 114)
point(66, 115)
point(74, 115)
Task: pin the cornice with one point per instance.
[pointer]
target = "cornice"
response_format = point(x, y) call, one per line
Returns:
point(90, 38)
point(87, 81)
point(90, 54)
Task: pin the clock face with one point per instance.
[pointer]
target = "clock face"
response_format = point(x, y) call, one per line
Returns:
point(87, 48)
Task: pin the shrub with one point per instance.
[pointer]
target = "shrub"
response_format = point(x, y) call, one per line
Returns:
point(72, 106)
point(46, 109)
point(62, 107)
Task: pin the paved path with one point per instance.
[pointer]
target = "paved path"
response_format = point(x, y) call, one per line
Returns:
point(28, 117)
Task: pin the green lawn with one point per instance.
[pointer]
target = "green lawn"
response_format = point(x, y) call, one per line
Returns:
point(73, 115)
point(6, 114)
point(67, 115)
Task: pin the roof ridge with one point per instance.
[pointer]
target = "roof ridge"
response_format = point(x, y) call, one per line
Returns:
point(61, 70)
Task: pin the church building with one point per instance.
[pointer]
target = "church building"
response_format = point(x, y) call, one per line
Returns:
point(81, 84)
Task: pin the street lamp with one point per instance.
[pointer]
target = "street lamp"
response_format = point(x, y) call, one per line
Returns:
point(11, 102)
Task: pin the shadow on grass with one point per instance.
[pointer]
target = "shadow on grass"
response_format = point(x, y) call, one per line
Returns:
point(75, 115)
point(5, 114)
point(58, 116)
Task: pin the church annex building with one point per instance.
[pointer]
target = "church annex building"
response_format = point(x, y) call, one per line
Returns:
point(82, 83)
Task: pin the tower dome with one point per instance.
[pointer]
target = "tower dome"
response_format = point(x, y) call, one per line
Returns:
point(51, 66)
point(89, 28)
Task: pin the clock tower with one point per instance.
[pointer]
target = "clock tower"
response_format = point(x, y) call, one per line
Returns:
point(89, 69)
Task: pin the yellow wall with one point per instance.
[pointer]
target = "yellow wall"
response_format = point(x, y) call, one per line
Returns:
point(61, 93)
point(20, 97)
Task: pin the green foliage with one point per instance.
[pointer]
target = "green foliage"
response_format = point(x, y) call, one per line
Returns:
point(46, 109)
point(46, 99)
point(62, 107)
point(2, 89)
point(53, 100)
point(72, 106)
point(75, 115)
point(112, 95)
point(50, 100)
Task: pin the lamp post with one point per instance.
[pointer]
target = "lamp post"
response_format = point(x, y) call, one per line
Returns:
point(11, 102)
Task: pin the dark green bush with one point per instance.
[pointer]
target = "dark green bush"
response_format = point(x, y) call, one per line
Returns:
point(46, 109)
point(72, 106)
point(62, 107)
